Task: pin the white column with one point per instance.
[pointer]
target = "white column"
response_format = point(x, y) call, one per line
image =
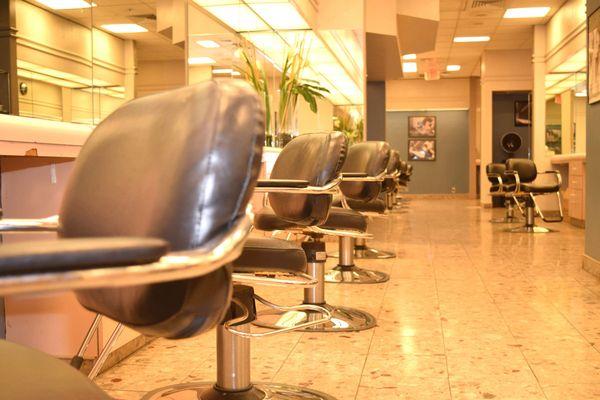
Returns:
point(538, 134)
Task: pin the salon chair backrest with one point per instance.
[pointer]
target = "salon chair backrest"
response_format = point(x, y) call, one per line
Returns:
point(524, 167)
point(180, 166)
point(316, 158)
point(370, 158)
point(389, 184)
point(495, 168)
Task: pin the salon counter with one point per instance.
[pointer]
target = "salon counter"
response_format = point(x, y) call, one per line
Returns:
point(572, 169)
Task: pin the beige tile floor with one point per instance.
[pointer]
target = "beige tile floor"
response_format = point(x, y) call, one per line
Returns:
point(470, 312)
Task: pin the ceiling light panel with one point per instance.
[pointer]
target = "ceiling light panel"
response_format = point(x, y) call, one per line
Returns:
point(409, 57)
point(66, 4)
point(238, 17)
point(453, 68)
point(279, 16)
point(208, 44)
point(201, 61)
point(124, 28)
point(526, 12)
point(471, 39)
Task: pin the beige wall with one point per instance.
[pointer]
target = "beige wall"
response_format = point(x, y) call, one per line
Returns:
point(427, 95)
point(579, 114)
point(565, 33)
point(157, 76)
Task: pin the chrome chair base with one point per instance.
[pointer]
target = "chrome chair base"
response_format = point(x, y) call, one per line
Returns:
point(373, 254)
point(504, 220)
point(343, 319)
point(530, 229)
point(354, 274)
point(259, 391)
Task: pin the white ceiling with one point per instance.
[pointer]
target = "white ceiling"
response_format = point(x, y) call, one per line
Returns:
point(458, 19)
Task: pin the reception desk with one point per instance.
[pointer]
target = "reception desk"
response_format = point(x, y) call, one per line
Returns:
point(572, 168)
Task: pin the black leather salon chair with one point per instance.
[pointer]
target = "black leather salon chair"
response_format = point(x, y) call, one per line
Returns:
point(318, 160)
point(146, 236)
point(389, 185)
point(501, 184)
point(526, 187)
point(362, 194)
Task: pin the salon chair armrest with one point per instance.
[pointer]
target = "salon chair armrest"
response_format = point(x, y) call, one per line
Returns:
point(354, 175)
point(49, 224)
point(281, 183)
point(64, 255)
point(517, 180)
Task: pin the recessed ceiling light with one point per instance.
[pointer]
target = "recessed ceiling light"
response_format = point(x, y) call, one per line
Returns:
point(453, 68)
point(208, 44)
point(471, 39)
point(124, 28)
point(66, 4)
point(581, 94)
point(409, 67)
point(281, 15)
point(409, 57)
point(200, 61)
point(225, 71)
point(527, 12)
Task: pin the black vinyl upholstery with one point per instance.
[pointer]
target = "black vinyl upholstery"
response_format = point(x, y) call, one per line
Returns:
point(316, 158)
point(27, 374)
point(24, 258)
point(342, 218)
point(179, 166)
point(389, 184)
point(524, 167)
point(271, 255)
point(539, 188)
point(370, 158)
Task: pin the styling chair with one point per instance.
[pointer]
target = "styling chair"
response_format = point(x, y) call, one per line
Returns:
point(403, 180)
point(318, 160)
point(389, 185)
point(368, 163)
point(526, 188)
point(146, 237)
point(500, 185)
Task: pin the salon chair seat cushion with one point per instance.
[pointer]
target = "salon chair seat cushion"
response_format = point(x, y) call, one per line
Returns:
point(270, 255)
point(27, 374)
point(376, 206)
point(78, 254)
point(539, 188)
point(342, 218)
point(267, 220)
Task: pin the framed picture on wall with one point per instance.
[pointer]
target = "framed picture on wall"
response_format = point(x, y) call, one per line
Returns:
point(594, 58)
point(522, 113)
point(421, 126)
point(421, 149)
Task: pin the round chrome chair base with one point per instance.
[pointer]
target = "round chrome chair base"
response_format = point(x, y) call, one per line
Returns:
point(343, 319)
point(373, 254)
point(530, 229)
point(503, 220)
point(259, 391)
point(355, 275)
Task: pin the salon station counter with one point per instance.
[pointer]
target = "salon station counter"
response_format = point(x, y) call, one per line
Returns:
point(572, 169)
point(36, 158)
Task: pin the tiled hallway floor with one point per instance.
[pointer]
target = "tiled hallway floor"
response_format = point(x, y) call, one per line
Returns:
point(470, 312)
